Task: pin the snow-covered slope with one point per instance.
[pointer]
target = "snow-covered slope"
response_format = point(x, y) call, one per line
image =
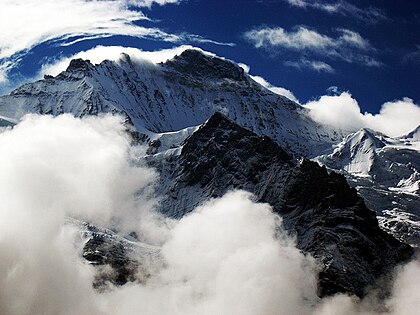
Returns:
point(356, 153)
point(181, 93)
point(385, 171)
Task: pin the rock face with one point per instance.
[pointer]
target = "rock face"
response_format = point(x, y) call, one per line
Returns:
point(328, 217)
point(116, 257)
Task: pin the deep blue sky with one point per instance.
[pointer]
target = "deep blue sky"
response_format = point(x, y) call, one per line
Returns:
point(393, 43)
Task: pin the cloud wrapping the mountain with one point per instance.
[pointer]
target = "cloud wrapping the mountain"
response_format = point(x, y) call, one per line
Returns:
point(84, 168)
point(100, 53)
point(229, 256)
point(275, 89)
point(395, 118)
point(52, 168)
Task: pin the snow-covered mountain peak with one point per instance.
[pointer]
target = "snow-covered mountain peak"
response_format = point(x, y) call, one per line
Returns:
point(356, 153)
point(367, 137)
point(180, 93)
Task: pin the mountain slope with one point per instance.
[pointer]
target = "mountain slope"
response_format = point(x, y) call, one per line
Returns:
point(182, 92)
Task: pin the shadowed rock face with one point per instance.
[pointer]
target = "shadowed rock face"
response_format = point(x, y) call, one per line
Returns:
point(329, 219)
point(198, 65)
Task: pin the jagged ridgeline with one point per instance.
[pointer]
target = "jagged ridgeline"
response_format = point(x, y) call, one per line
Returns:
point(249, 138)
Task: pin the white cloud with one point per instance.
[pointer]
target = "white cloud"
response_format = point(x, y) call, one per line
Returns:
point(275, 89)
point(395, 118)
point(342, 111)
point(149, 3)
point(354, 39)
point(413, 56)
point(245, 67)
point(4, 69)
point(348, 46)
point(25, 24)
point(227, 249)
point(314, 65)
point(302, 38)
point(51, 168)
point(369, 14)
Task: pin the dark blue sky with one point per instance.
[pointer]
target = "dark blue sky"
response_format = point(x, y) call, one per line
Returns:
point(370, 48)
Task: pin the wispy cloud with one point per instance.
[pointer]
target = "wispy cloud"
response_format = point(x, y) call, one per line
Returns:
point(369, 14)
point(413, 56)
point(315, 65)
point(149, 3)
point(302, 38)
point(348, 45)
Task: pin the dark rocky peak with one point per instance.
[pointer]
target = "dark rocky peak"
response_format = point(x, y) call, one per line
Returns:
point(222, 133)
point(328, 218)
point(124, 57)
point(200, 65)
point(79, 65)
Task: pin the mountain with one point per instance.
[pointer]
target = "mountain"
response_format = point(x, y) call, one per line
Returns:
point(210, 128)
point(386, 173)
point(182, 92)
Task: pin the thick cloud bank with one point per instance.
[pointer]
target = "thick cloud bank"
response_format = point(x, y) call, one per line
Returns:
point(342, 111)
point(230, 256)
point(51, 168)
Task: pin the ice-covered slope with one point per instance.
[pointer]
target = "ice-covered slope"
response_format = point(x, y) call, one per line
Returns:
point(182, 92)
